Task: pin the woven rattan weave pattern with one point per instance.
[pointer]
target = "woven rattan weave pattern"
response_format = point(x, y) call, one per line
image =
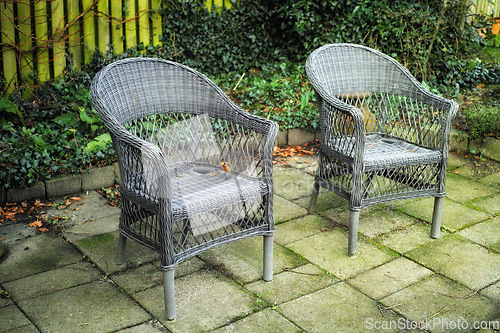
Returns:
point(383, 135)
point(196, 169)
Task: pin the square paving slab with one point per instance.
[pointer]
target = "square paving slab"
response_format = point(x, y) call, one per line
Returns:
point(408, 238)
point(455, 216)
point(300, 228)
point(460, 260)
point(244, 259)
point(438, 304)
point(328, 250)
point(205, 300)
point(338, 308)
point(292, 284)
point(35, 255)
point(102, 249)
point(285, 210)
point(486, 233)
point(92, 307)
point(267, 320)
point(389, 278)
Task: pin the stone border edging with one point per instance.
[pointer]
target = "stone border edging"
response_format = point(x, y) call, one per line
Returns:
point(90, 179)
point(488, 147)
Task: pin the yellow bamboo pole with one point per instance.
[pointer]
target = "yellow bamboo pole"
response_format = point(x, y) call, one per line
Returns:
point(157, 23)
point(8, 39)
point(41, 33)
point(103, 24)
point(74, 34)
point(117, 26)
point(58, 46)
point(143, 25)
point(219, 4)
point(88, 31)
point(130, 24)
point(25, 45)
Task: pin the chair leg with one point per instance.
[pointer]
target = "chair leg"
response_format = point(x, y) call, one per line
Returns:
point(169, 291)
point(314, 197)
point(122, 242)
point(436, 217)
point(268, 258)
point(353, 232)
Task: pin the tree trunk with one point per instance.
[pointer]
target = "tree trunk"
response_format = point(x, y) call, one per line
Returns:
point(433, 39)
point(464, 10)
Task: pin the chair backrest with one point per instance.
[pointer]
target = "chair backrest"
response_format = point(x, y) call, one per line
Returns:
point(139, 87)
point(349, 68)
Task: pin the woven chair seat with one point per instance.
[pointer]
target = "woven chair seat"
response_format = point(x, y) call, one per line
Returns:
point(200, 189)
point(385, 153)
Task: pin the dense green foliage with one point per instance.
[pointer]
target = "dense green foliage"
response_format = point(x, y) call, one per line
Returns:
point(256, 52)
point(254, 32)
point(280, 92)
point(58, 133)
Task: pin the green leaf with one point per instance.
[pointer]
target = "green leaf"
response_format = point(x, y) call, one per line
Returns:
point(69, 119)
point(86, 118)
point(99, 143)
point(8, 106)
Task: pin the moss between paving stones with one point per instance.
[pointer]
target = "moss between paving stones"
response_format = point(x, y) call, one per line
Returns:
point(292, 283)
point(338, 308)
point(205, 300)
point(35, 255)
point(455, 216)
point(439, 298)
point(267, 320)
point(485, 233)
point(457, 258)
point(93, 307)
point(328, 250)
point(103, 249)
point(243, 259)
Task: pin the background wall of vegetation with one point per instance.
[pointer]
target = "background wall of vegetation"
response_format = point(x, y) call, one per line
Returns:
point(254, 49)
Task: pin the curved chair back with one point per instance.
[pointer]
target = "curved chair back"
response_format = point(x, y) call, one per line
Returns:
point(348, 68)
point(138, 87)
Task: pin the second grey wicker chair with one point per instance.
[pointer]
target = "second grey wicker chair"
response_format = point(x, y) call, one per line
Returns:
point(196, 169)
point(383, 135)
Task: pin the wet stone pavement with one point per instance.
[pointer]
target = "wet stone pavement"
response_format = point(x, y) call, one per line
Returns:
point(400, 281)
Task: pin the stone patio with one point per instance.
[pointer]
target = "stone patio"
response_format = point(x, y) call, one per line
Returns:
point(400, 281)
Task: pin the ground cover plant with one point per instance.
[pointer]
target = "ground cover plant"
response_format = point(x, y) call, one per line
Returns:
point(256, 52)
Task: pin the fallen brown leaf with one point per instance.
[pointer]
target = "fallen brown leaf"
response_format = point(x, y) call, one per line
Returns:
point(36, 224)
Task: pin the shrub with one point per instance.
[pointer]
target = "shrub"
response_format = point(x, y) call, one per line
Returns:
point(58, 132)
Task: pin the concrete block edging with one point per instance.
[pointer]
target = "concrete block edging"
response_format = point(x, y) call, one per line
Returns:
point(61, 185)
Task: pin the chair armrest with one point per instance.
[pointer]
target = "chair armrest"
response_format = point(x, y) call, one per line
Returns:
point(254, 140)
point(142, 166)
point(342, 132)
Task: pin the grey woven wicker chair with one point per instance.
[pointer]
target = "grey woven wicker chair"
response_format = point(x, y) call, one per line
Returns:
point(383, 136)
point(196, 169)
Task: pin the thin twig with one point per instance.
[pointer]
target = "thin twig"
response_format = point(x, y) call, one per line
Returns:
point(237, 84)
